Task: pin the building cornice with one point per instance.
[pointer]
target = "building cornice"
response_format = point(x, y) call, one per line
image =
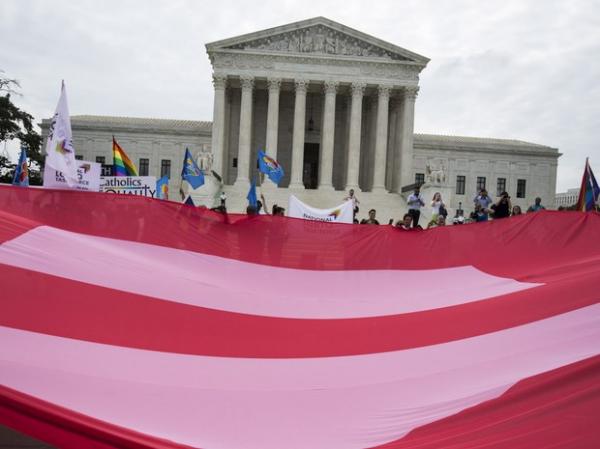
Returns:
point(137, 125)
point(315, 21)
point(286, 67)
point(461, 144)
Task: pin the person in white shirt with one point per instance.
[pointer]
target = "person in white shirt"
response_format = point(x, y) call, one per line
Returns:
point(437, 207)
point(415, 202)
point(355, 202)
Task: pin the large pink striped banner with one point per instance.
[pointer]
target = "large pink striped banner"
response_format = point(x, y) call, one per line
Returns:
point(132, 322)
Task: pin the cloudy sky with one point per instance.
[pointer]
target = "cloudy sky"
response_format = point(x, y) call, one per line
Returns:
point(523, 69)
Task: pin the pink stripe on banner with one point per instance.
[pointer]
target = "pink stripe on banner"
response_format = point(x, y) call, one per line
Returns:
point(226, 284)
point(341, 402)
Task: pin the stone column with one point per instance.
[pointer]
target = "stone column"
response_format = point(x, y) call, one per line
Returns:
point(273, 117)
point(218, 127)
point(358, 89)
point(298, 138)
point(406, 120)
point(326, 166)
point(245, 132)
point(391, 160)
point(381, 138)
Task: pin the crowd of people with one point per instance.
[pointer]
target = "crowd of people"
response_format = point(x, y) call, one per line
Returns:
point(484, 209)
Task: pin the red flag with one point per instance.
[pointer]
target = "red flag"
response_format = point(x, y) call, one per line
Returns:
point(178, 329)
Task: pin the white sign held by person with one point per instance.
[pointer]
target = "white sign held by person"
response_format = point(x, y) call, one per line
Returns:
point(129, 185)
point(88, 177)
point(338, 214)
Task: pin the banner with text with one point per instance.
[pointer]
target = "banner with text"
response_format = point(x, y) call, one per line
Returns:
point(88, 177)
point(338, 214)
point(129, 185)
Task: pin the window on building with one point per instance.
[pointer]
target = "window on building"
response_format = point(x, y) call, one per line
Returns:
point(144, 166)
point(521, 188)
point(234, 162)
point(500, 186)
point(165, 168)
point(79, 157)
point(460, 184)
point(419, 178)
point(101, 159)
point(480, 183)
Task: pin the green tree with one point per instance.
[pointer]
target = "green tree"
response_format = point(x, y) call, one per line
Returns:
point(18, 124)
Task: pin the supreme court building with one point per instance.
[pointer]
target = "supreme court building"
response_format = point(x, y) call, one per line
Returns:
point(336, 108)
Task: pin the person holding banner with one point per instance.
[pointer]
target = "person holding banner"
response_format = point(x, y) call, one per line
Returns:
point(355, 202)
point(406, 222)
point(371, 220)
point(278, 211)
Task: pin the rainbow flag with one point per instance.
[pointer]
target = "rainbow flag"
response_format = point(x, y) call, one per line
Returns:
point(123, 166)
point(589, 191)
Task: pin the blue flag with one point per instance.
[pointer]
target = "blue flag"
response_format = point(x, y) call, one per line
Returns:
point(190, 172)
point(189, 201)
point(21, 177)
point(270, 167)
point(162, 188)
point(252, 200)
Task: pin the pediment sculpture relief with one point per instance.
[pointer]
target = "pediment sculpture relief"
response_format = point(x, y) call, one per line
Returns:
point(204, 160)
point(318, 39)
point(435, 173)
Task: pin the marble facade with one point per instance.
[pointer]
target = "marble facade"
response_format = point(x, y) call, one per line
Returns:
point(316, 96)
point(336, 108)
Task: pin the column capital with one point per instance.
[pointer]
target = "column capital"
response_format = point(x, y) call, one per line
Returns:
point(395, 101)
point(410, 93)
point(247, 82)
point(330, 87)
point(274, 83)
point(301, 85)
point(358, 88)
point(219, 81)
point(384, 90)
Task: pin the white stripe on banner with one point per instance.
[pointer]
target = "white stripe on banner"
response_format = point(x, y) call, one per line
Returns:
point(342, 402)
point(203, 280)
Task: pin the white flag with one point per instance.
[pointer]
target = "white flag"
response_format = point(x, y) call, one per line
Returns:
point(59, 147)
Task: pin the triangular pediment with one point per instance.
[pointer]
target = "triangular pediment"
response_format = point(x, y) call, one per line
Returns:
point(317, 36)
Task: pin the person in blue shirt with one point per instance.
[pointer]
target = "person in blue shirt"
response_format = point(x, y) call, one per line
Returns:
point(537, 206)
point(483, 201)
